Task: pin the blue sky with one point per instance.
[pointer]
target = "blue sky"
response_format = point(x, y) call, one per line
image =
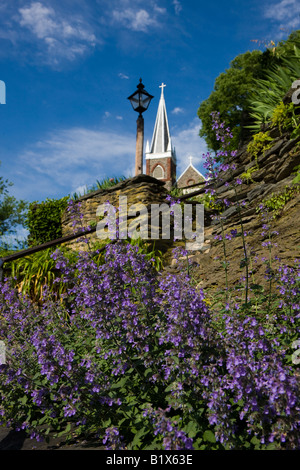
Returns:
point(69, 66)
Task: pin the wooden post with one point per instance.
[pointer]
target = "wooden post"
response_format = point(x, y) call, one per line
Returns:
point(139, 146)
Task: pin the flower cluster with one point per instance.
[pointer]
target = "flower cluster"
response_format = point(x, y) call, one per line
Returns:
point(289, 287)
point(257, 385)
point(125, 336)
point(173, 437)
point(112, 439)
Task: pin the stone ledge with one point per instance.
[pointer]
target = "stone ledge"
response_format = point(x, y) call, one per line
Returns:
point(135, 181)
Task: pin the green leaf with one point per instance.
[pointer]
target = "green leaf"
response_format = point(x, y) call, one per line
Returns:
point(65, 431)
point(137, 438)
point(271, 446)
point(191, 429)
point(296, 180)
point(148, 372)
point(209, 436)
point(255, 441)
point(120, 383)
point(23, 400)
point(43, 419)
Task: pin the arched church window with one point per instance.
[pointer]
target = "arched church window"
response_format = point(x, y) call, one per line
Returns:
point(158, 172)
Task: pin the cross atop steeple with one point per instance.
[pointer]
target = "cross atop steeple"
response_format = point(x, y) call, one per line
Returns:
point(162, 86)
point(161, 140)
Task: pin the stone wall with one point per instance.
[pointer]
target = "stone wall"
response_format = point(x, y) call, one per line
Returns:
point(140, 189)
point(274, 171)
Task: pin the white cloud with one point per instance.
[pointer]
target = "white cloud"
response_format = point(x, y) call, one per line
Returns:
point(137, 20)
point(177, 6)
point(63, 38)
point(107, 115)
point(286, 13)
point(38, 19)
point(159, 9)
point(123, 76)
point(177, 110)
point(70, 159)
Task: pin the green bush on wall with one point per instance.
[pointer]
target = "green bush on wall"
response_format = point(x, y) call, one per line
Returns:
point(44, 220)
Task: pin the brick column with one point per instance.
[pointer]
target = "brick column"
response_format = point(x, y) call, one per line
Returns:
point(139, 146)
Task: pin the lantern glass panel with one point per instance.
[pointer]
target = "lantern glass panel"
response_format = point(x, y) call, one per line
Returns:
point(145, 101)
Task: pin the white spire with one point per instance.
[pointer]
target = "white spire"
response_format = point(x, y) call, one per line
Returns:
point(161, 140)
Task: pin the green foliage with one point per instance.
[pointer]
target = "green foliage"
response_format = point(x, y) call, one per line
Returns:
point(44, 220)
point(296, 180)
point(276, 202)
point(176, 192)
point(247, 175)
point(65, 377)
point(149, 250)
point(286, 118)
point(210, 202)
point(247, 93)
point(267, 95)
point(108, 183)
point(230, 97)
point(34, 272)
point(281, 116)
point(259, 144)
point(267, 92)
point(103, 184)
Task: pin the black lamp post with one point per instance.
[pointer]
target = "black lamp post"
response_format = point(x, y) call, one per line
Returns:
point(140, 101)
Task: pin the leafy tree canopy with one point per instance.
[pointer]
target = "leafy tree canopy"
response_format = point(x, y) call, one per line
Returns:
point(267, 94)
point(230, 94)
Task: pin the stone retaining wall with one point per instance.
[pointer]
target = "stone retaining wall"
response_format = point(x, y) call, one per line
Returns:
point(275, 171)
point(141, 189)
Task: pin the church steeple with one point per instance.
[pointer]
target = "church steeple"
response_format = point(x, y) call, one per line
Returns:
point(161, 140)
point(160, 156)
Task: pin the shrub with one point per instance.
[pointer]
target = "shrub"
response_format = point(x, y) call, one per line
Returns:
point(141, 354)
point(276, 202)
point(33, 273)
point(44, 220)
point(259, 144)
